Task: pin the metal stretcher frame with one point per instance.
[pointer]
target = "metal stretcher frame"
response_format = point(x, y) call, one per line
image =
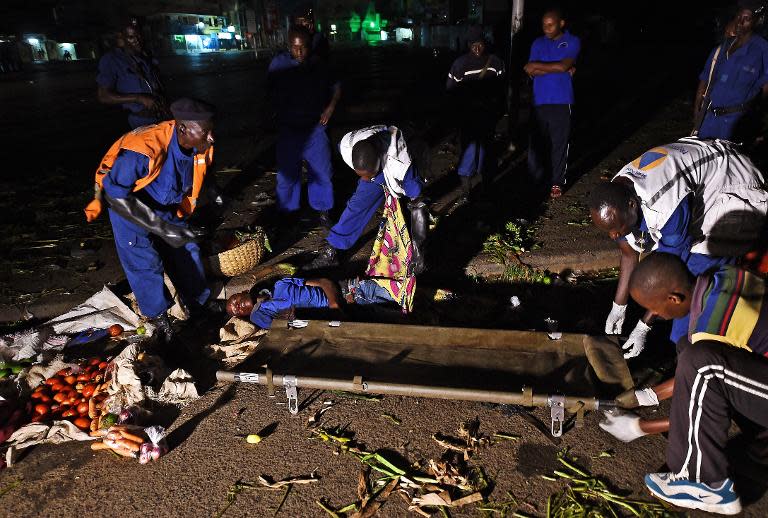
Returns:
point(497, 366)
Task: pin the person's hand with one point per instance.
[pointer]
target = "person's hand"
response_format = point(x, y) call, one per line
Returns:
point(615, 319)
point(636, 341)
point(625, 426)
point(148, 101)
point(326, 115)
point(636, 398)
point(529, 68)
point(572, 71)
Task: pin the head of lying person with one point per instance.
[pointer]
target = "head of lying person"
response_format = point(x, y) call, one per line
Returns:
point(366, 158)
point(662, 284)
point(614, 208)
point(243, 304)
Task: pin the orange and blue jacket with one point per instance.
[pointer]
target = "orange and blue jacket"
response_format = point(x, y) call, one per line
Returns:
point(152, 142)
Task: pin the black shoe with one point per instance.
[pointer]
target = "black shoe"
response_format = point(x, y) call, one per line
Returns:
point(325, 259)
point(163, 329)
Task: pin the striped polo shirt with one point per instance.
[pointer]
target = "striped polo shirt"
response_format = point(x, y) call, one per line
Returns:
point(729, 306)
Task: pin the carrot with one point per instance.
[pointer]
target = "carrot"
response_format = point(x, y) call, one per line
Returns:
point(98, 433)
point(92, 409)
point(124, 452)
point(98, 445)
point(132, 437)
point(129, 445)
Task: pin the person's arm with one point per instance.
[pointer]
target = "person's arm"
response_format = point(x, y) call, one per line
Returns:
point(330, 288)
point(539, 68)
point(629, 259)
point(699, 97)
point(654, 426)
point(328, 112)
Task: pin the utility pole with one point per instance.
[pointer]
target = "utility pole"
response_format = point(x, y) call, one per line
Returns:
point(515, 24)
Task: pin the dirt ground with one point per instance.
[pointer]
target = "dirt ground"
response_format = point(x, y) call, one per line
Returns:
point(208, 453)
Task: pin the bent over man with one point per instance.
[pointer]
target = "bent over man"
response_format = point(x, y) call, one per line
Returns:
point(700, 200)
point(722, 374)
point(151, 179)
point(379, 156)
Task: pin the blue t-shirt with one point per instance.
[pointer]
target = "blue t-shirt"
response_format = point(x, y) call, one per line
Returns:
point(289, 292)
point(170, 186)
point(128, 74)
point(557, 87)
point(740, 77)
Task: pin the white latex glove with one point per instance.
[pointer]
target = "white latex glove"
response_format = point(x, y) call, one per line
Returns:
point(636, 398)
point(636, 341)
point(615, 319)
point(625, 426)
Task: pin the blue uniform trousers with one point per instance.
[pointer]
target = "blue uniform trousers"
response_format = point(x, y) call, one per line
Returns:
point(313, 146)
point(472, 158)
point(145, 257)
point(363, 204)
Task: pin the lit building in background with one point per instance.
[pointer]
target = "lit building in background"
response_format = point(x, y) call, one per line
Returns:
point(184, 33)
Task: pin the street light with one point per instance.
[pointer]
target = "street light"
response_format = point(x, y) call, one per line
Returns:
point(33, 41)
point(231, 28)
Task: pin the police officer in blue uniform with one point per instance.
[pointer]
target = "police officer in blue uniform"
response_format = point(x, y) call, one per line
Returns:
point(729, 91)
point(305, 98)
point(551, 66)
point(129, 76)
point(149, 236)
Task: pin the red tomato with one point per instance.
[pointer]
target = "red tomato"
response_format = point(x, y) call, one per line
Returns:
point(115, 330)
point(83, 423)
point(41, 408)
point(52, 380)
point(82, 408)
point(70, 412)
point(70, 380)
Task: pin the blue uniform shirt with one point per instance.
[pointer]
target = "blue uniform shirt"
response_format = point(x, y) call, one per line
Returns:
point(300, 91)
point(128, 74)
point(557, 87)
point(739, 78)
point(170, 186)
point(289, 292)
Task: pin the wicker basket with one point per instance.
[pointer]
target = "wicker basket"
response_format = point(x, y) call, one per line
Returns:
point(238, 260)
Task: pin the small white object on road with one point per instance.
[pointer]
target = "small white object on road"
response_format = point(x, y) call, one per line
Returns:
point(514, 301)
point(298, 324)
point(334, 323)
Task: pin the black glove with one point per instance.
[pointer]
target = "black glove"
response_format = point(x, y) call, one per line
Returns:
point(419, 225)
point(136, 211)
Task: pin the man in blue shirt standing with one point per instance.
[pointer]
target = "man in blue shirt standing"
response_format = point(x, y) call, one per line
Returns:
point(305, 97)
point(551, 67)
point(129, 76)
point(730, 88)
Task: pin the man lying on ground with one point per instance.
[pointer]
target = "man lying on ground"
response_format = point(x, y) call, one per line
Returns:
point(722, 372)
point(293, 292)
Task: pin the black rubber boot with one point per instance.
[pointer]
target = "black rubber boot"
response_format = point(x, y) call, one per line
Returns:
point(163, 329)
point(466, 188)
point(324, 219)
point(419, 226)
point(325, 259)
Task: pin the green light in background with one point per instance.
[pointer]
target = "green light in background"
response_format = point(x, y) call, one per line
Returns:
point(371, 24)
point(354, 22)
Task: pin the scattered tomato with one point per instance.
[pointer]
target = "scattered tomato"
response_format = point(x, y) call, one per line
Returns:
point(70, 380)
point(37, 395)
point(63, 372)
point(115, 330)
point(57, 387)
point(45, 398)
point(83, 423)
point(41, 408)
point(88, 390)
point(83, 377)
point(52, 380)
point(70, 412)
point(82, 408)
point(94, 361)
point(59, 397)
point(103, 365)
